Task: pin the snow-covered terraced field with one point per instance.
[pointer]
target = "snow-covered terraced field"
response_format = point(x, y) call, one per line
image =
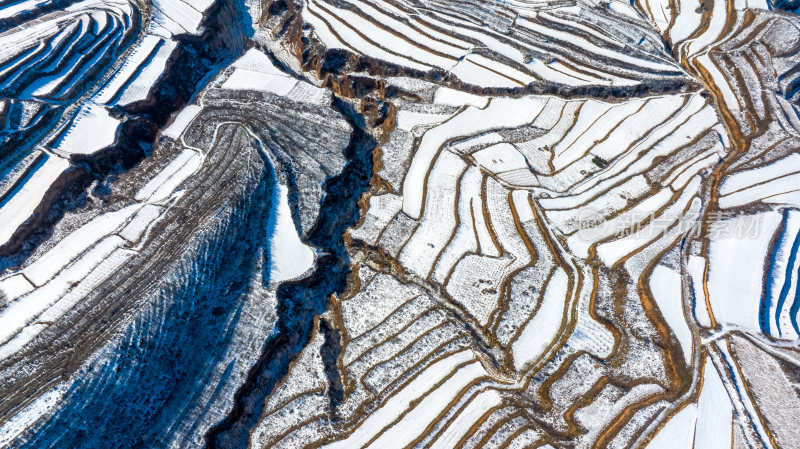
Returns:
point(399, 224)
point(507, 44)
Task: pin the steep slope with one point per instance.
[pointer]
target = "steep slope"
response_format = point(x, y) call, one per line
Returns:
point(399, 223)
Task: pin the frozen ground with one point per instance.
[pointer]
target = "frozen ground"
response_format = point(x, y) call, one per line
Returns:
point(399, 224)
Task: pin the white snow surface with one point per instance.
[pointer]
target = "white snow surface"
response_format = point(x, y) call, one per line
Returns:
point(180, 16)
point(696, 267)
point(15, 286)
point(678, 432)
point(182, 121)
point(71, 246)
point(244, 79)
point(715, 411)
point(415, 423)
point(142, 50)
point(289, 256)
point(92, 130)
point(172, 176)
point(446, 95)
point(665, 285)
point(543, 328)
point(393, 408)
point(466, 418)
point(21, 204)
point(16, 317)
point(735, 272)
point(255, 71)
point(501, 113)
point(140, 85)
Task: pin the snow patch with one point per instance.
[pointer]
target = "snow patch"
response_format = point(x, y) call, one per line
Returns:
point(289, 256)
